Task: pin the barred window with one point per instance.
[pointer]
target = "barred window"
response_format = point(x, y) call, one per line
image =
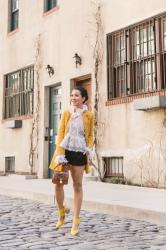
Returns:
point(10, 164)
point(136, 58)
point(114, 166)
point(118, 66)
point(143, 58)
point(49, 4)
point(163, 53)
point(19, 91)
point(13, 14)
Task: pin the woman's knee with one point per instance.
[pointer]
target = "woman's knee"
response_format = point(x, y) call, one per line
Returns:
point(58, 187)
point(77, 187)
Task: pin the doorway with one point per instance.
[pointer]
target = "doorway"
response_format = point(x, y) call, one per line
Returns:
point(85, 82)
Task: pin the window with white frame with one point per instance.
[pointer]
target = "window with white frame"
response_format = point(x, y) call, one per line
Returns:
point(49, 4)
point(13, 14)
point(19, 92)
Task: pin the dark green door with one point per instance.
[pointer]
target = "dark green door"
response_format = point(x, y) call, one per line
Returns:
point(55, 113)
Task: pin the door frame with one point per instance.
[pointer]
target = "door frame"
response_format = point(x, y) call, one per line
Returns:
point(57, 85)
point(74, 81)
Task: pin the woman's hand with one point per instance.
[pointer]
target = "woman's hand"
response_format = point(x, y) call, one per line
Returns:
point(89, 153)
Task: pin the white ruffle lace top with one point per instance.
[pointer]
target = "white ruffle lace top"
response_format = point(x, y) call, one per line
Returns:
point(75, 138)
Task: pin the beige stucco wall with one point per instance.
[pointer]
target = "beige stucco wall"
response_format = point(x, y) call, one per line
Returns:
point(66, 31)
point(135, 135)
point(62, 34)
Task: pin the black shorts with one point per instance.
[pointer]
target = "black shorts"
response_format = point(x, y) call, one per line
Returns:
point(76, 158)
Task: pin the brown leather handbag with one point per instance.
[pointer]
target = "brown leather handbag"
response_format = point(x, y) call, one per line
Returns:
point(61, 177)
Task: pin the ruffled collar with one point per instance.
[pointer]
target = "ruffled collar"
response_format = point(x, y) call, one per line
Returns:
point(78, 111)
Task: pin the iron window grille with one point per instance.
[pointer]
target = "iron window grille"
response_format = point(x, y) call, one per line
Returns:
point(49, 4)
point(113, 166)
point(10, 164)
point(136, 58)
point(117, 63)
point(14, 14)
point(19, 93)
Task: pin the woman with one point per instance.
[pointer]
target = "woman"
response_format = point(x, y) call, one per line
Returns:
point(74, 145)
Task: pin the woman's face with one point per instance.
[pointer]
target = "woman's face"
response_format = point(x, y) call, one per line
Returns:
point(76, 98)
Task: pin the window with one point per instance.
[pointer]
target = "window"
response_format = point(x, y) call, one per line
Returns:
point(49, 4)
point(136, 58)
point(143, 58)
point(19, 89)
point(163, 53)
point(117, 69)
point(114, 166)
point(10, 164)
point(13, 14)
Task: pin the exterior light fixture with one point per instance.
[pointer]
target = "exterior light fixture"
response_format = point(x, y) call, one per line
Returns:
point(50, 70)
point(78, 60)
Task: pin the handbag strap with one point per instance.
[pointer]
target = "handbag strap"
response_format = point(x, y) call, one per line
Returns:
point(56, 166)
point(64, 165)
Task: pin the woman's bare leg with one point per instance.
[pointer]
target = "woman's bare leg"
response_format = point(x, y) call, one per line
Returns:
point(59, 195)
point(77, 176)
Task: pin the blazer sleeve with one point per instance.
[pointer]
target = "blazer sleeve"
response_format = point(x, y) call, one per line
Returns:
point(61, 133)
point(91, 132)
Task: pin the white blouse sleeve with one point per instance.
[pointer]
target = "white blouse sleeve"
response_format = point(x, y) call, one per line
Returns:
point(61, 159)
point(89, 151)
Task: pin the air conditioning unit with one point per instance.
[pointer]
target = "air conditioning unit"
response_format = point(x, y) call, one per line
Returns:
point(150, 103)
point(14, 124)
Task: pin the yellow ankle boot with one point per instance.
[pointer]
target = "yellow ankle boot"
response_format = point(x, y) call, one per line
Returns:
point(61, 220)
point(76, 222)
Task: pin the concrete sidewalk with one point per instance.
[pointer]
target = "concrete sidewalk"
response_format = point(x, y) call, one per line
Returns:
point(140, 203)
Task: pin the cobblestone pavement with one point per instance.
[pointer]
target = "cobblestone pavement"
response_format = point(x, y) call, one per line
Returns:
point(25, 224)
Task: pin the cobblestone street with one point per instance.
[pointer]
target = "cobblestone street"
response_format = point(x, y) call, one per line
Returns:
point(25, 224)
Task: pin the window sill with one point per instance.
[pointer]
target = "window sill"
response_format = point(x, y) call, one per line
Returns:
point(49, 12)
point(128, 99)
point(11, 33)
point(23, 117)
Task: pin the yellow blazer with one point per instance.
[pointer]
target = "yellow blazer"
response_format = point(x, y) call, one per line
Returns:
point(88, 122)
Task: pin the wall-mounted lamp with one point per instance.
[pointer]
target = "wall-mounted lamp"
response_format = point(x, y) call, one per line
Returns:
point(78, 59)
point(50, 70)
